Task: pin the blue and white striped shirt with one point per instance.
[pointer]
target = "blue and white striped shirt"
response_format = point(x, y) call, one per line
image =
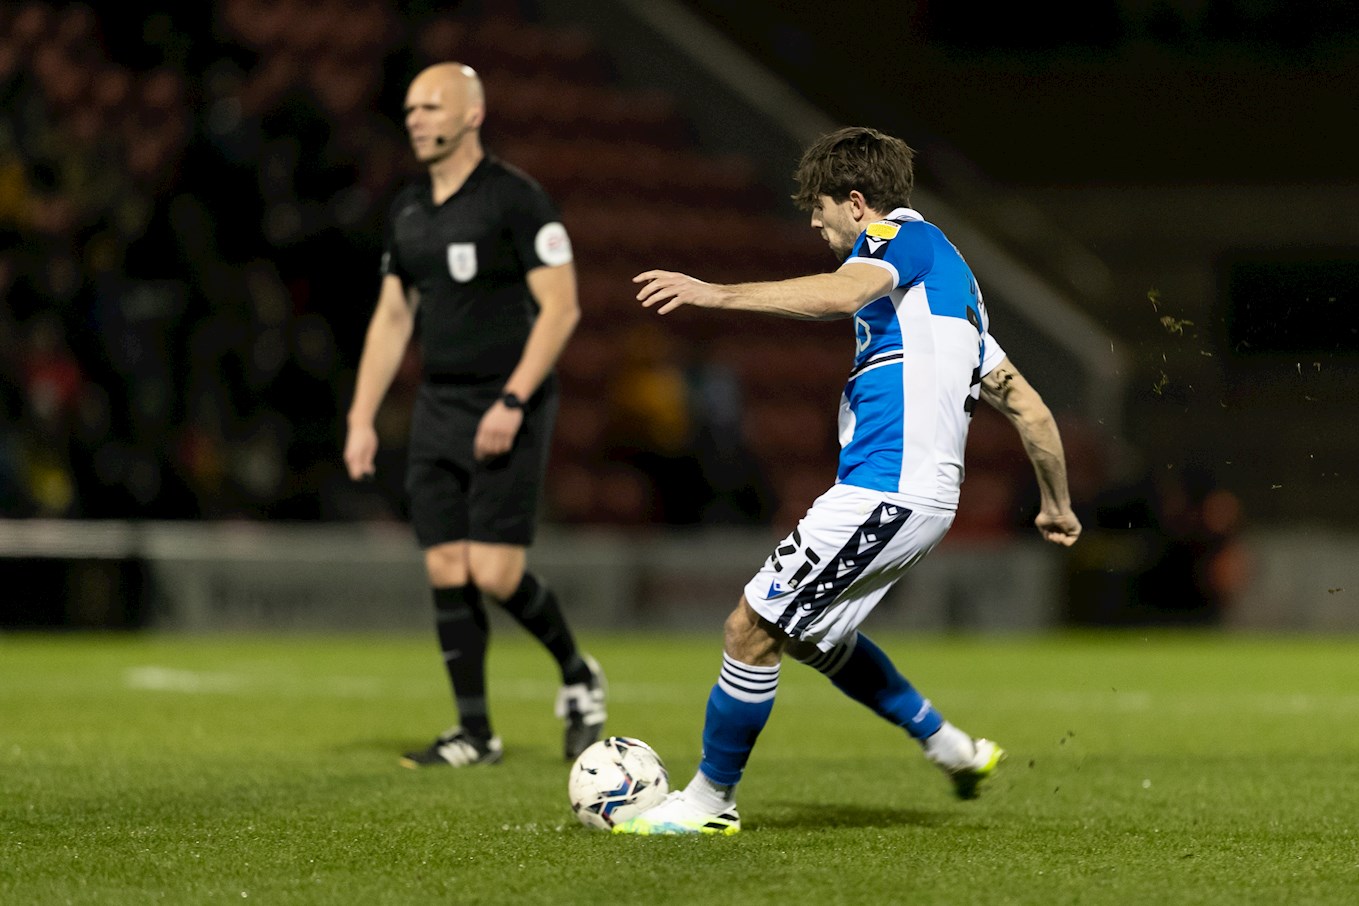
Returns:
point(920, 354)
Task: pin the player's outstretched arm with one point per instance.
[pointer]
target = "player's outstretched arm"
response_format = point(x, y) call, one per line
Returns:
point(384, 347)
point(815, 297)
point(1007, 390)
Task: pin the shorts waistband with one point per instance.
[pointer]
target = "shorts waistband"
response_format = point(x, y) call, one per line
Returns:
point(459, 380)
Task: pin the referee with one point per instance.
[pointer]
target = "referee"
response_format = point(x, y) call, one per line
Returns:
point(476, 258)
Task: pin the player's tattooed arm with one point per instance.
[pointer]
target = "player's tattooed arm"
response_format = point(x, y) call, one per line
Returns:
point(1000, 384)
point(1006, 389)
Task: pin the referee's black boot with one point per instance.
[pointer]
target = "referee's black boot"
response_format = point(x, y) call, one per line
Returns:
point(581, 706)
point(455, 749)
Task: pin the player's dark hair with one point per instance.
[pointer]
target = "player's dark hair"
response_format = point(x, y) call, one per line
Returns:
point(878, 165)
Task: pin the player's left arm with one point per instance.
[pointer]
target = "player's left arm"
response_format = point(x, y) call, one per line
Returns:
point(1007, 390)
point(817, 297)
point(554, 289)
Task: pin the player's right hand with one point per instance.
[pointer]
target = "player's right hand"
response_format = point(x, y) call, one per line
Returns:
point(360, 449)
point(670, 290)
point(1061, 527)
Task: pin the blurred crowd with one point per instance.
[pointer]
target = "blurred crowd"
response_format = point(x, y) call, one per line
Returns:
point(186, 263)
point(192, 206)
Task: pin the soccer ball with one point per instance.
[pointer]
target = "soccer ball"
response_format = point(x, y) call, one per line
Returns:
point(614, 779)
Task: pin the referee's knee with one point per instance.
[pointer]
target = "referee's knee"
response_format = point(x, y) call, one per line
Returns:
point(446, 565)
point(497, 569)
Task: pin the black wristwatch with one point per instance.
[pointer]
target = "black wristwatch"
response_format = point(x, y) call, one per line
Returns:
point(510, 401)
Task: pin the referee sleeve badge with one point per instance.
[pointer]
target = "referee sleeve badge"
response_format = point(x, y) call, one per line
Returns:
point(552, 244)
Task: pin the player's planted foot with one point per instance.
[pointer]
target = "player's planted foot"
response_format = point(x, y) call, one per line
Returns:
point(581, 706)
point(677, 815)
point(455, 749)
point(966, 780)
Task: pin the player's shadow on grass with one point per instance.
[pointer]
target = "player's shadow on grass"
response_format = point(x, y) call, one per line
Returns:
point(803, 815)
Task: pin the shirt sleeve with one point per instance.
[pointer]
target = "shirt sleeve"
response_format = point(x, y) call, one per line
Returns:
point(391, 265)
point(536, 228)
point(992, 354)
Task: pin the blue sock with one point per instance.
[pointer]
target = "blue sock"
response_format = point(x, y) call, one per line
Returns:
point(738, 708)
point(865, 673)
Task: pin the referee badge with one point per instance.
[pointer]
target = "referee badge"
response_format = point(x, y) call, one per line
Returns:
point(552, 244)
point(462, 260)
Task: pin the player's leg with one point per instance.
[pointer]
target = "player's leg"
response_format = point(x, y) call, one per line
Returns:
point(503, 511)
point(739, 706)
point(825, 579)
point(864, 672)
point(437, 489)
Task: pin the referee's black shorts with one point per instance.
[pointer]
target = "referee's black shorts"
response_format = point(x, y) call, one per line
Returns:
point(455, 498)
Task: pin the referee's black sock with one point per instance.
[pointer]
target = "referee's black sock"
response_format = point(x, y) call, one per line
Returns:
point(463, 634)
point(535, 607)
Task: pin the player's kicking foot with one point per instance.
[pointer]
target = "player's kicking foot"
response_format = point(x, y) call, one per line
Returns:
point(968, 779)
point(581, 706)
point(455, 749)
point(677, 815)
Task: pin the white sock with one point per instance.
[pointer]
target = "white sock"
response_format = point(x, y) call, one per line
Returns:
point(950, 748)
point(709, 796)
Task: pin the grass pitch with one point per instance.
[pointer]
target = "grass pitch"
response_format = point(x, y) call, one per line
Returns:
point(1147, 769)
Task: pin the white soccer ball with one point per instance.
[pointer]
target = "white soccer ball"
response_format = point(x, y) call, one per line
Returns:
point(614, 779)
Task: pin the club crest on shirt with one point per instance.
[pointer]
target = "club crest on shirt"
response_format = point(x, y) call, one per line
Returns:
point(863, 335)
point(462, 260)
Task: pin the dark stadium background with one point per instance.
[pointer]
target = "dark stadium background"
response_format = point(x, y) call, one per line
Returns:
point(191, 210)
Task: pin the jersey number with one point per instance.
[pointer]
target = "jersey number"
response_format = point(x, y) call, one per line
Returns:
point(973, 389)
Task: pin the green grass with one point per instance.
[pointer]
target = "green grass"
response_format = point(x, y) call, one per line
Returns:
point(1144, 769)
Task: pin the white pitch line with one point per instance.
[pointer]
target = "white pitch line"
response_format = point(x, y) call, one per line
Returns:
point(170, 679)
point(153, 678)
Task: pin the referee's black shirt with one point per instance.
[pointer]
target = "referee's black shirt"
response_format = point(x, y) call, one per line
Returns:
point(468, 258)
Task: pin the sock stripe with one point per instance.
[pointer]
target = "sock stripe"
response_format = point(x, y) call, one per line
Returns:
point(746, 682)
point(750, 671)
point(829, 663)
point(536, 602)
point(452, 614)
point(743, 692)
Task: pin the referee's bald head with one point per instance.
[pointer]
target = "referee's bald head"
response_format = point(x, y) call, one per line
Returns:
point(445, 105)
point(459, 78)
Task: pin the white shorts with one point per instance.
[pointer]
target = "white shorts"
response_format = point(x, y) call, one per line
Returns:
point(826, 577)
